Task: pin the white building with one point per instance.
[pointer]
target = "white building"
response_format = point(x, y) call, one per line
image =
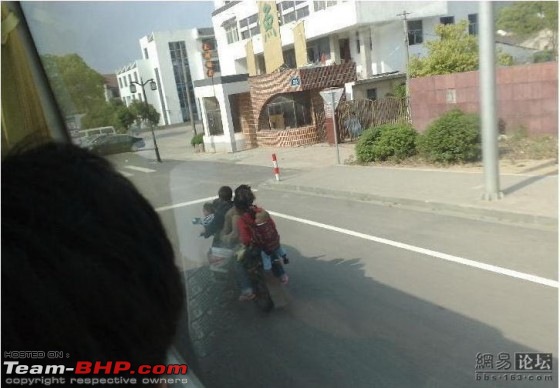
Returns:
point(366, 32)
point(372, 35)
point(174, 60)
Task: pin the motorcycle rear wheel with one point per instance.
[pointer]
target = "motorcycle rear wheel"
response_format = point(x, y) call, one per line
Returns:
point(263, 299)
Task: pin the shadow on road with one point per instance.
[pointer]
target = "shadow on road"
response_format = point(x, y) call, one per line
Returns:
point(341, 329)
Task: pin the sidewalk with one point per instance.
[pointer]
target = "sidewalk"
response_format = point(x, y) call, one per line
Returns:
point(530, 188)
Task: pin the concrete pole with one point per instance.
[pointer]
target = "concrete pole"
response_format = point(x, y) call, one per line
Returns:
point(404, 14)
point(489, 122)
point(333, 106)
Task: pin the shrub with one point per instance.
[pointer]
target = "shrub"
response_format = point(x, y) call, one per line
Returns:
point(389, 141)
point(364, 147)
point(396, 142)
point(197, 139)
point(543, 56)
point(452, 138)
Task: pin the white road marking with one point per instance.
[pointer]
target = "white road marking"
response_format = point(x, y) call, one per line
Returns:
point(428, 252)
point(194, 202)
point(183, 204)
point(141, 169)
point(127, 174)
point(396, 244)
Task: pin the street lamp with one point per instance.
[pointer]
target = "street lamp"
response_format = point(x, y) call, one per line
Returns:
point(153, 86)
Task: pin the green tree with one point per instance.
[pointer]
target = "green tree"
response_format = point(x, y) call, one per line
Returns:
point(78, 88)
point(126, 116)
point(144, 112)
point(524, 18)
point(455, 51)
point(108, 114)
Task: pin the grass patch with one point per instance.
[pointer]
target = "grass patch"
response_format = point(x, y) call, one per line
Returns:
point(522, 147)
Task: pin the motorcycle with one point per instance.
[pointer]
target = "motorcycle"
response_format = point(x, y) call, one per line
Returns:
point(269, 292)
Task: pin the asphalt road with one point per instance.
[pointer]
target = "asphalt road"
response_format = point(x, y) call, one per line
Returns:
point(372, 303)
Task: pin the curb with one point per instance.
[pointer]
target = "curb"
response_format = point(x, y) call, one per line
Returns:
point(490, 215)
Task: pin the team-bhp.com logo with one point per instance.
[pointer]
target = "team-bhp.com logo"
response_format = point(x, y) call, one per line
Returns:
point(110, 372)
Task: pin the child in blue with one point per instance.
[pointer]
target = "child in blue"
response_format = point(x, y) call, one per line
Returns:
point(272, 251)
point(208, 212)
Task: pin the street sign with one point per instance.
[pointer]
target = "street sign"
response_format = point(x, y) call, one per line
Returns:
point(331, 96)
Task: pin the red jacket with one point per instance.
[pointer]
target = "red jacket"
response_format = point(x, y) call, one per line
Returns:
point(264, 234)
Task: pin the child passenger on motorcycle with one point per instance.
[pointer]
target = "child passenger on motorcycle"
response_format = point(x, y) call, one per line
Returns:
point(268, 238)
point(246, 230)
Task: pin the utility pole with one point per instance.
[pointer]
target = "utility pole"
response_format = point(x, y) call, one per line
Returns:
point(404, 14)
point(153, 86)
point(487, 66)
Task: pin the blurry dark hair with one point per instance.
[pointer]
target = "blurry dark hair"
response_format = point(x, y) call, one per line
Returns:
point(87, 267)
point(209, 207)
point(225, 193)
point(244, 198)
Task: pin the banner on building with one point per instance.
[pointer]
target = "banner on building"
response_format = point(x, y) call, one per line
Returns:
point(251, 62)
point(300, 44)
point(270, 32)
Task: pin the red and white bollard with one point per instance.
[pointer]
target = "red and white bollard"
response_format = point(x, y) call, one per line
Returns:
point(276, 169)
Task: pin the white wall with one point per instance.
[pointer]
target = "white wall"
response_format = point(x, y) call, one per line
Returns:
point(137, 70)
point(229, 141)
point(344, 19)
point(166, 98)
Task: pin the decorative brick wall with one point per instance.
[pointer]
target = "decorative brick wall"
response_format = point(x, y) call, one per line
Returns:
point(288, 138)
point(265, 87)
point(247, 119)
point(527, 96)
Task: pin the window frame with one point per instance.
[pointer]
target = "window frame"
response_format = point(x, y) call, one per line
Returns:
point(415, 35)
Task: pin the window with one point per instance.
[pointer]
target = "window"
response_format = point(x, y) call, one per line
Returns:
point(213, 116)
point(292, 10)
point(291, 110)
point(249, 27)
point(181, 72)
point(216, 66)
point(447, 20)
point(473, 24)
point(146, 53)
point(232, 34)
point(120, 82)
point(371, 94)
point(317, 49)
point(302, 12)
point(136, 76)
point(290, 58)
point(415, 34)
point(320, 5)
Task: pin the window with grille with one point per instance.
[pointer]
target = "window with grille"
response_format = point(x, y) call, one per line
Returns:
point(447, 20)
point(473, 24)
point(249, 27)
point(232, 34)
point(415, 32)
